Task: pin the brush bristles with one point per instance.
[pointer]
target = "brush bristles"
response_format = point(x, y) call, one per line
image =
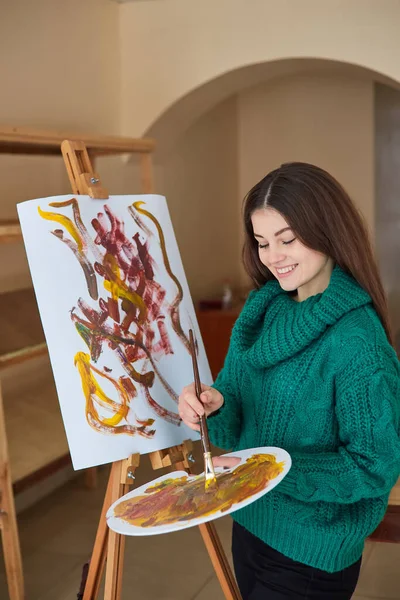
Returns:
point(210, 477)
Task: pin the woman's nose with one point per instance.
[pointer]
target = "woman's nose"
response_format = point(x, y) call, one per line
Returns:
point(276, 257)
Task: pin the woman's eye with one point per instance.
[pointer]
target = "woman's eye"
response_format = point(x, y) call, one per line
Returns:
point(263, 246)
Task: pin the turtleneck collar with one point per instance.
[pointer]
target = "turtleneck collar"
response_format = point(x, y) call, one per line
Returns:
point(273, 327)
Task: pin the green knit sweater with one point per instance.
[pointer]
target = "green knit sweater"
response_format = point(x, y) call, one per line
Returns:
point(319, 379)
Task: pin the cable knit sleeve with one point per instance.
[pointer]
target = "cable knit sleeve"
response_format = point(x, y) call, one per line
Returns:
point(225, 425)
point(367, 463)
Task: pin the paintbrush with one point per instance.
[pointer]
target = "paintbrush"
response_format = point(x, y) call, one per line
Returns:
point(209, 473)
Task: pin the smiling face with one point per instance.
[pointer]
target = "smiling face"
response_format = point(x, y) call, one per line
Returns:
point(295, 266)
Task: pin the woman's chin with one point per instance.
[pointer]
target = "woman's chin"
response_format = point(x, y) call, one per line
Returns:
point(287, 285)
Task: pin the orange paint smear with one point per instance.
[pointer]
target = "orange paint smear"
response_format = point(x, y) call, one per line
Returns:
point(183, 499)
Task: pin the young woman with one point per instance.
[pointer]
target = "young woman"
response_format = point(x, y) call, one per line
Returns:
point(310, 368)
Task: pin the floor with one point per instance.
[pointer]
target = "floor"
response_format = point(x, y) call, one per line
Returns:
point(57, 535)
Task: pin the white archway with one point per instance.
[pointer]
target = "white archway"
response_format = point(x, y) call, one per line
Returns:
point(178, 117)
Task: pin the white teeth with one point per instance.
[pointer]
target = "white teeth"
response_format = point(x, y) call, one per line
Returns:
point(286, 269)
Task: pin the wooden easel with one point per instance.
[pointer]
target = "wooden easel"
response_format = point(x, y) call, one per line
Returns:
point(109, 546)
point(8, 519)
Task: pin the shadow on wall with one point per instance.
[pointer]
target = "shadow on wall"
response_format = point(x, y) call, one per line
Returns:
point(387, 214)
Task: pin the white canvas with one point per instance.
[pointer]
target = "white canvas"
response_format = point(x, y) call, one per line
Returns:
point(75, 271)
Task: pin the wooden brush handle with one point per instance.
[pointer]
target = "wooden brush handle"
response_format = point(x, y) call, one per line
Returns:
point(205, 440)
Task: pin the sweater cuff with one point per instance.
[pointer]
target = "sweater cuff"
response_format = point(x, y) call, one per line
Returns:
point(223, 427)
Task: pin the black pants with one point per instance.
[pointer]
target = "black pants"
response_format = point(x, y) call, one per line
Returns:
point(265, 574)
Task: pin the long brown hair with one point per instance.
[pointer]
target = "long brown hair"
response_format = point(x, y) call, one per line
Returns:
point(323, 217)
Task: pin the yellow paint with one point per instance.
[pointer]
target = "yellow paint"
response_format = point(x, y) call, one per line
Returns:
point(119, 289)
point(184, 498)
point(66, 222)
point(146, 213)
point(93, 392)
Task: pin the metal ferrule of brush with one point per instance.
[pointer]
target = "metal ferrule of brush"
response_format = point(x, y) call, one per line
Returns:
point(211, 480)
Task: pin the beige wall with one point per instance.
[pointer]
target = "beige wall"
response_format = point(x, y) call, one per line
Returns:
point(59, 69)
point(183, 45)
point(199, 178)
point(324, 119)
point(58, 76)
point(327, 121)
point(60, 64)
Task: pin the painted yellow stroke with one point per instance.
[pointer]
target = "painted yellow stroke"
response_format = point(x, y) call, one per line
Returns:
point(66, 222)
point(146, 213)
point(119, 289)
point(93, 391)
point(175, 319)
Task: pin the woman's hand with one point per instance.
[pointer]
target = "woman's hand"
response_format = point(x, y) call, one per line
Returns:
point(190, 409)
point(226, 462)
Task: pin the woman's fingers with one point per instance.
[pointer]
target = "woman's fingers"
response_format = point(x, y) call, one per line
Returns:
point(188, 407)
point(187, 414)
point(189, 417)
point(191, 408)
point(206, 397)
point(191, 399)
point(226, 461)
point(192, 425)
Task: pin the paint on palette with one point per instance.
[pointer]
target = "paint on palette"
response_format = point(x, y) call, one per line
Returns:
point(184, 498)
point(132, 320)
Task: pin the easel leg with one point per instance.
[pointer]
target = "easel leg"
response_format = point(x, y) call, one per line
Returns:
point(8, 520)
point(108, 544)
point(120, 570)
point(113, 567)
point(91, 478)
point(115, 563)
point(12, 555)
point(112, 545)
point(116, 542)
point(219, 561)
point(97, 561)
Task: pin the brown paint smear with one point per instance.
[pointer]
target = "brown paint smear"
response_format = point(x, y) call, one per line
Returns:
point(182, 499)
